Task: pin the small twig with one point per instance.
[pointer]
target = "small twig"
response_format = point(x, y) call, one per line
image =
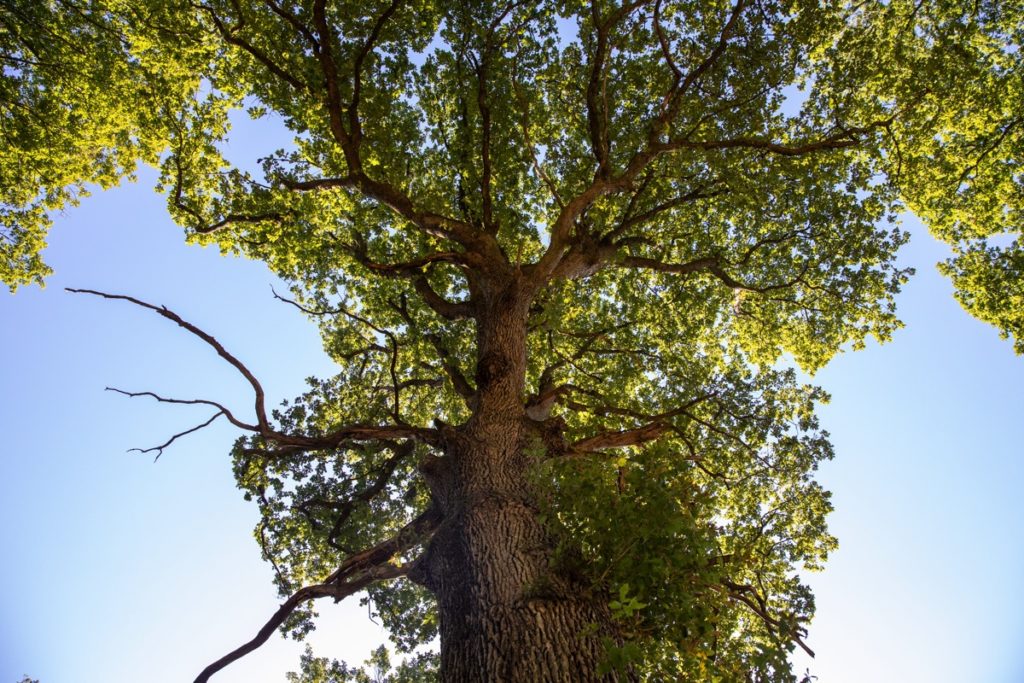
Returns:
point(189, 402)
point(160, 449)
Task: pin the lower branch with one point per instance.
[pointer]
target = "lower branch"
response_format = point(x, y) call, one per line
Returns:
point(280, 616)
point(356, 573)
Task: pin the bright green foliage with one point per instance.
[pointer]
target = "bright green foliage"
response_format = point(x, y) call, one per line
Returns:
point(376, 669)
point(957, 146)
point(740, 511)
point(84, 97)
point(694, 188)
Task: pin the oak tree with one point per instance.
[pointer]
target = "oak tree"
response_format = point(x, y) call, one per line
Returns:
point(562, 253)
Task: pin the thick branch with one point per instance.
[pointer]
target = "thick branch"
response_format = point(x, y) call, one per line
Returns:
point(561, 232)
point(289, 444)
point(654, 428)
point(446, 309)
point(620, 439)
point(280, 616)
point(356, 573)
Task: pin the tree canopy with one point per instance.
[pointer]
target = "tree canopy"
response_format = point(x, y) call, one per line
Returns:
point(678, 195)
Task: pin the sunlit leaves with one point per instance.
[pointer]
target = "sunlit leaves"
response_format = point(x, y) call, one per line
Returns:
point(84, 96)
point(681, 525)
point(742, 165)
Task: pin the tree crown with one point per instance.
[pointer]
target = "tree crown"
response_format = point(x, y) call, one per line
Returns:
point(682, 192)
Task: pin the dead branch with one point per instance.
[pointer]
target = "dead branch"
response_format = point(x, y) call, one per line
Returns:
point(261, 415)
point(160, 449)
point(288, 443)
point(194, 401)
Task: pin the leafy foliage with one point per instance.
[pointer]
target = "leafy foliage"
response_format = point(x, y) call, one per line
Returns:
point(688, 193)
point(376, 669)
point(86, 93)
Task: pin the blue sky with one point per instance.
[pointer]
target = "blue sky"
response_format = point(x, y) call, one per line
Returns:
point(117, 569)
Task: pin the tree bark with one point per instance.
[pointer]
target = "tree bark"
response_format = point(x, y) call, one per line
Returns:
point(506, 613)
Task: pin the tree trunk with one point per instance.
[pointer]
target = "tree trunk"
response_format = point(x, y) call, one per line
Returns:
point(506, 614)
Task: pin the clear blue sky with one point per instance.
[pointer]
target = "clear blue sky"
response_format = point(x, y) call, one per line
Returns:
point(118, 570)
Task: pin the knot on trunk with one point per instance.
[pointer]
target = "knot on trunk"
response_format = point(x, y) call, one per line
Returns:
point(492, 366)
point(551, 434)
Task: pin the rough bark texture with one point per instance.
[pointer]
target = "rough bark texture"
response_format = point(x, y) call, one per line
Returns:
point(506, 613)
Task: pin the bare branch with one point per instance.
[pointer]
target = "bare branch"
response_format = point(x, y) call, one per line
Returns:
point(194, 401)
point(280, 616)
point(163, 311)
point(288, 443)
point(160, 449)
